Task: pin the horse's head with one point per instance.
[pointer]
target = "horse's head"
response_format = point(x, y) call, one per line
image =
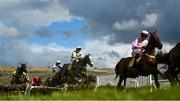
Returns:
point(89, 60)
point(154, 40)
point(23, 67)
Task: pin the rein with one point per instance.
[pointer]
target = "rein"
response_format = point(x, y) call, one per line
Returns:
point(151, 56)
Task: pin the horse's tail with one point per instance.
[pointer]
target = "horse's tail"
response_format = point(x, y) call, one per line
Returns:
point(117, 69)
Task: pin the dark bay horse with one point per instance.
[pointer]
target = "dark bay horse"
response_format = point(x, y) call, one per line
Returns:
point(20, 75)
point(66, 75)
point(146, 66)
point(173, 60)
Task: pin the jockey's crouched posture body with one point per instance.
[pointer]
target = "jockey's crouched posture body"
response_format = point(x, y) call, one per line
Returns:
point(76, 56)
point(20, 71)
point(138, 46)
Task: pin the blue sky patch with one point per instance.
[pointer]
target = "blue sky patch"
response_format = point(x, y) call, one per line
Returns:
point(66, 34)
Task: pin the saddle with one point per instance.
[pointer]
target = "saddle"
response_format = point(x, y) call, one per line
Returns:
point(151, 59)
point(135, 60)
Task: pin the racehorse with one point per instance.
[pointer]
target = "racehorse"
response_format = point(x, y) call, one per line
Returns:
point(172, 58)
point(80, 67)
point(146, 66)
point(20, 75)
point(66, 75)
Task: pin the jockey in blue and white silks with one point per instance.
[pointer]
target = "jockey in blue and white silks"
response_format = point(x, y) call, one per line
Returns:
point(57, 66)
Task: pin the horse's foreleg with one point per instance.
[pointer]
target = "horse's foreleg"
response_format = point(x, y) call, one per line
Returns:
point(119, 86)
point(124, 83)
point(156, 80)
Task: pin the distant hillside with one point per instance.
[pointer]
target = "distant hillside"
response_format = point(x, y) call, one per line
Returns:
point(45, 69)
point(101, 71)
point(29, 69)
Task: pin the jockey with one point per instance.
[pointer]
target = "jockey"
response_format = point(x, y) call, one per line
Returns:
point(57, 66)
point(139, 45)
point(76, 56)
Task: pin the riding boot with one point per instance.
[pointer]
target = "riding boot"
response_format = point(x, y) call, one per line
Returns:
point(138, 58)
point(73, 65)
point(132, 62)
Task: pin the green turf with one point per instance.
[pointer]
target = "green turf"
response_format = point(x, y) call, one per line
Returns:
point(105, 93)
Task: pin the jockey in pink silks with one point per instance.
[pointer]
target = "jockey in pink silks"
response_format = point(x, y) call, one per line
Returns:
point(138, 46)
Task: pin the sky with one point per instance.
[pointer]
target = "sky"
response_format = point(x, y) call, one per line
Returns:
point(39, 32)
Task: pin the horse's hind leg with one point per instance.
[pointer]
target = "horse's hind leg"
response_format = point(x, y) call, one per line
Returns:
point(160, 74)
point(176, 76)
point(170, 75)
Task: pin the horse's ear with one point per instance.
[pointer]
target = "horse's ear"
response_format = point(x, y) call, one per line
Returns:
point(149, 31)
point(155, 31)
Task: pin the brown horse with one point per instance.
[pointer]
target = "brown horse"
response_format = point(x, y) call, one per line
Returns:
point(173, 58)
point(146, 66)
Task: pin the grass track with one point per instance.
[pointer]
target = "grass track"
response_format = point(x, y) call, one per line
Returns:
point(106, 93)
point(103, 93)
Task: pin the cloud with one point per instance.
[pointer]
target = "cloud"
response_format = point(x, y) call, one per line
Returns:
point(104, 55)
point(42, 32)
point(8, 31)
point(167, 47)
point(36, 48)
point(35, 12)
point(46, 55)
point(125, 19)
point(150, 20)
point(14, 51)
point(111, 24)
point(120, 18)
point(8, 3)
point(53, 13)
point(23, 17)
point(67, 34)
point(125, 25)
